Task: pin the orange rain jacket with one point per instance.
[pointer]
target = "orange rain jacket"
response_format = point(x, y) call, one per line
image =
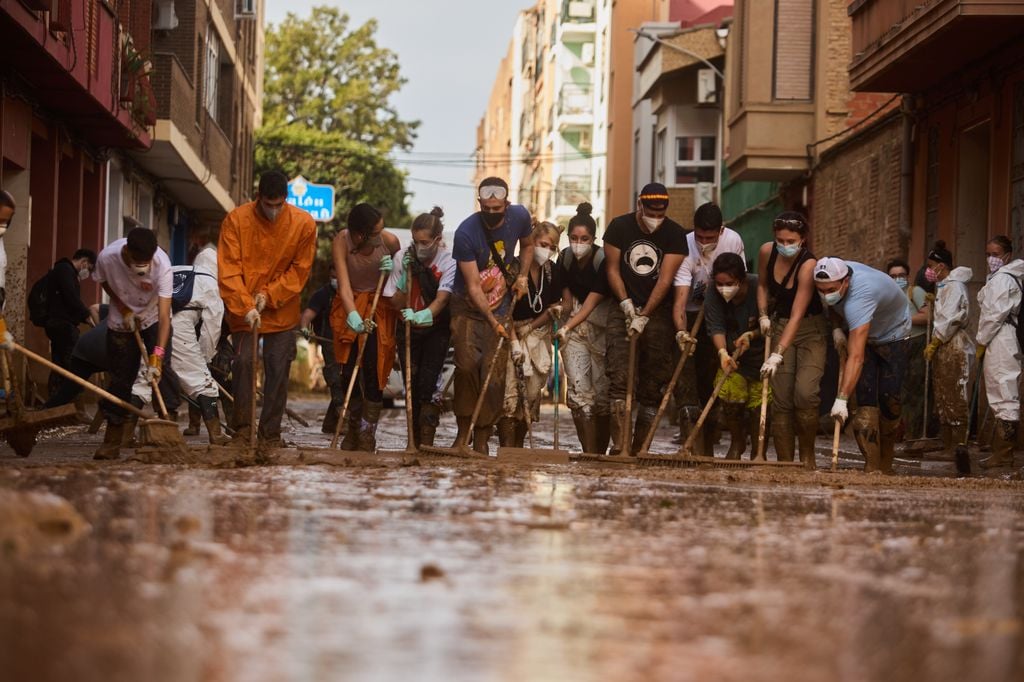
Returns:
point(256, 256)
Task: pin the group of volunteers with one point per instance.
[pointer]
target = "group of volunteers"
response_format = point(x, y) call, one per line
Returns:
point(506, 300)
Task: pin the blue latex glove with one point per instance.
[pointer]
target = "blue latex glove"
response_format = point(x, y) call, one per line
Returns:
point(406, 259)
point(386, 264)
point(355, 322)
point(422, 318)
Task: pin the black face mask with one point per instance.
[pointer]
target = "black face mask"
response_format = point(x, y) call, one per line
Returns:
point(492, 220)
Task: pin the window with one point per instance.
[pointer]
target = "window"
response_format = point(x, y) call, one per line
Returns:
point(695, 160)
point(794, 49)
point(211, 72)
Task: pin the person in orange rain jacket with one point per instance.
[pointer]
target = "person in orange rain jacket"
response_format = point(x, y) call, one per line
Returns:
point(362, 257)
point(264, 258)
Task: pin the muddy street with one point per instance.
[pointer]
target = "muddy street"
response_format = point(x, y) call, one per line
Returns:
point(442, 569)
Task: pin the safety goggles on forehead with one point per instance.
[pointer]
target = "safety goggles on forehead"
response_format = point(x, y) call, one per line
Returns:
point(493, 192)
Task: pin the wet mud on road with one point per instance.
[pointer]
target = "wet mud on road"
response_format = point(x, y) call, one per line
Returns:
point(440, 569)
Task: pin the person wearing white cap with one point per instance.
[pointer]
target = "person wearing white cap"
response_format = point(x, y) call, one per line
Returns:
point(873, 309)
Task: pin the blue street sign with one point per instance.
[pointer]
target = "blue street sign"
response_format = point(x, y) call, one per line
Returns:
point(317, 200)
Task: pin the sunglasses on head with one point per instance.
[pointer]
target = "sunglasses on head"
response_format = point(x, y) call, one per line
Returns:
point(788, 223)
point(493, 192)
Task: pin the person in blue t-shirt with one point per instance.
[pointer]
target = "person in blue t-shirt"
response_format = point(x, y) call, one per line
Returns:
point(484, 248)
point(874, 310)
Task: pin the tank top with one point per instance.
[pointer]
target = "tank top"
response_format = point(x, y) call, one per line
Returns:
point(363, 269)
point(779, 292)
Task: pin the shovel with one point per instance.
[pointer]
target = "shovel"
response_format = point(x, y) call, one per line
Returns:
point(924, 443)
point(839, 425)
point(764, 403)
point(21, 426)
point(533, 455)
point(156, 432)
point(410, 424)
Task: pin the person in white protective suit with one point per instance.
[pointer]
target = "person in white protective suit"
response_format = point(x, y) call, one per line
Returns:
point(998, 348)
point(196, 331)
point(951, 350)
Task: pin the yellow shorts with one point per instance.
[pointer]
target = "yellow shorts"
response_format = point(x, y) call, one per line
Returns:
point(739, 389)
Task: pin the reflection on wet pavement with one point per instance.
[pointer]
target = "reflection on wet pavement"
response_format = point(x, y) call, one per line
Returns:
point(451, 570)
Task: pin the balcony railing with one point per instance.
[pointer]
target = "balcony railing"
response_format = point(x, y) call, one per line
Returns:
point(576, 100)
point(571, 190)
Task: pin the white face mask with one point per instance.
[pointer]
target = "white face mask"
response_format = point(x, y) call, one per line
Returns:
point(708, 249)
point(580, 250)
point(541, 254)
point(83, 274)
point(425, 252)
point(728, 292)
point(653, 223)
point(141, 270)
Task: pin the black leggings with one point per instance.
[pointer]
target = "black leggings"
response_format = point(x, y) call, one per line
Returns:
point(429, 349)
point(366, 385)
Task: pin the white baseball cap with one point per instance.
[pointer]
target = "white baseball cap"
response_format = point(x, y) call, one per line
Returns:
point(831, 270)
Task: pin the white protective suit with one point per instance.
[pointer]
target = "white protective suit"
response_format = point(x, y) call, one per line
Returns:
point(954, 358)
point(999, 302)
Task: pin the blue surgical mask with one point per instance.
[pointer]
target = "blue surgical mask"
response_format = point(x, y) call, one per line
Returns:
point(901, 282)
point(832, 298)
point(787, 250)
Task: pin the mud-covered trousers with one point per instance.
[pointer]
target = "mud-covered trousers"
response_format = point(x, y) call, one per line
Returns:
point(124, 358)
point(656, 355)
point(952, 365)
point(585, 357)
point(278, 354)
point(428, 351)
point(475, 343)
point(881, 378)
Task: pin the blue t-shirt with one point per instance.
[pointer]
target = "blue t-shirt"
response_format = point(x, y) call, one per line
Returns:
point(471, 241)
point(874, 298)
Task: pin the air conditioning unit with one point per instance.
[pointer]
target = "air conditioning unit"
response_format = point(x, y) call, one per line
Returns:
point(707, 87)
point(586, 140)
point(246, 9)
point(587, 53)
point(165, 19)
point(581, 10)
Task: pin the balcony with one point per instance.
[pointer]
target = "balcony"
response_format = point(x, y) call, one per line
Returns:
point(572, 190)
point(575, 106)
point(910, 46)
point(578, 21)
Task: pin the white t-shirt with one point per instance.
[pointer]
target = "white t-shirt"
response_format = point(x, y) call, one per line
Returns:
point(443, 267)
point(695, 272)
point(141, 294)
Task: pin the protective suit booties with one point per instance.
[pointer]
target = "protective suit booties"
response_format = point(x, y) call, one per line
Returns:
point(1004, 437)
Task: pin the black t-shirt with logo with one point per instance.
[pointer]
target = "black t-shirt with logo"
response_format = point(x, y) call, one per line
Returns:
point(643, 253)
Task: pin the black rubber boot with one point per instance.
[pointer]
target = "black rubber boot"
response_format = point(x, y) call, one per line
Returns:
point(735, 415)
point(367, 440)
point(195, 418)
point(211, 417)
point(807, 434)
point(111, 446)
point(430, 417)
point(602, 433)
point(783, 436)
point(330, 423)
point(507, 432)
point(1004, 438)
point(352, 419)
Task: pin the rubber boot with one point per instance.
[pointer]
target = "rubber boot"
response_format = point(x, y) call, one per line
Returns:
point(754, 428)
point(211, 417)
point(330, 418)
point(806, 435)
point(481, 436)
point(602, 433)
point(462, 427)
point(946, 435)
point(710, 432)
point(111, 446)
point(507, 431)
point(615, 426)
point(783, 436)
point(685, 425)
point(1004, 438)
point(644, 419)
point(195, 418)
point(584, 430)
point(521, 431)
point(736, 421)
point(351, 427)
point(367, 440)
point(887, 436)
point(430, 417)
point(865, 430)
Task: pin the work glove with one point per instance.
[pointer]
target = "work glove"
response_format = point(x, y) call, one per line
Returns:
point(422, 318)
point(252, 318)
point(839, 339)
point(261, 302)
point(6, 341)
point(771, 365)
point(636, 327)
point(743, 342)
point(369, 326)
point(766, 324)
point(683, 339)
point(517, 352)
point(725, 361)
point(930, 349)
point(555, 311)
point(628, 309)
point(386, 264)
point(521, 286)
point(406, 259)
point(562, 335)
point(839, 410)
point(129, 323)
point(979, 353)
point(155, 367)
point(354, 321)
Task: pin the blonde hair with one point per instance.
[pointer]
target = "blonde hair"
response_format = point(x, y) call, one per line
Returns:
point(546, 229)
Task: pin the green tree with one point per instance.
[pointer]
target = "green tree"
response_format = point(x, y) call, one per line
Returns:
point(322, 74)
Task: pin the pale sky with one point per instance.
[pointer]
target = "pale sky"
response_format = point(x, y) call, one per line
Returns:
point(449, 51)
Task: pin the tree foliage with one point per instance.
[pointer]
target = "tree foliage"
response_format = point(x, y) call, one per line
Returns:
point(322, 74)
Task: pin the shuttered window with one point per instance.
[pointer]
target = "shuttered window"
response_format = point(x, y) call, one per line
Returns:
point(793, 57)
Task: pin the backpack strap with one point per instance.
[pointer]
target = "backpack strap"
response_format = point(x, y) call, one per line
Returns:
point(1020, 306)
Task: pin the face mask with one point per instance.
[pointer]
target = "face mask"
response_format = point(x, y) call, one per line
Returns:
point(492, 220)
point(994, 263)
point(541, 254)
point(425, 252)
point(580, 250)
point(930, 275)
point(141, 270)
point(832, 298)
point(708, 249)
point(901, 282)
point(728, 292)
point(334, 283)
point(787, 250)
point(270, 213)
point(653, 223)
point(83, 274)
